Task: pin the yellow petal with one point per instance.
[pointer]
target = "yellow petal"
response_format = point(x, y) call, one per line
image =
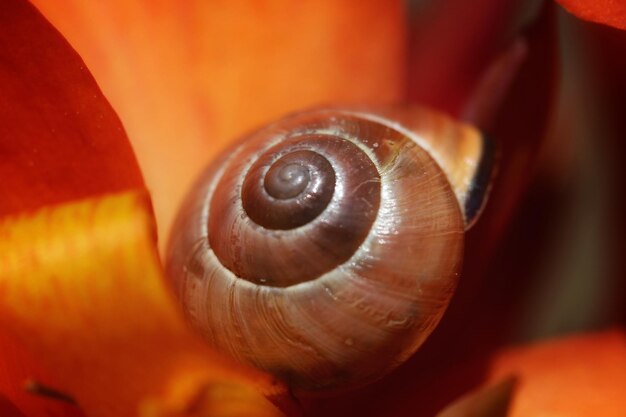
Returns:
point(81, 285)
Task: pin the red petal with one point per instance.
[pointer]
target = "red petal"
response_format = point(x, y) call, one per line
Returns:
point(452, 43)
point(17, 367)
point(8, 409)
point(608, 12)
point(59, 138)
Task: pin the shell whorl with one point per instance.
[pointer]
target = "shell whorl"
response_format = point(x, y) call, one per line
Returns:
point(283, 241)
point(349, 286)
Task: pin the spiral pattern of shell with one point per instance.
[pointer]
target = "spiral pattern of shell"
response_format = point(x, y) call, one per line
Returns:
point(350, 287)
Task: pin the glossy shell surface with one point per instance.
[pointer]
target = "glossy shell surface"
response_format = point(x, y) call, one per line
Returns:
point(351, 287)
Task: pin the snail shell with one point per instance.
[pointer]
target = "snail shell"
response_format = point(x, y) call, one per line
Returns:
point(325, 247)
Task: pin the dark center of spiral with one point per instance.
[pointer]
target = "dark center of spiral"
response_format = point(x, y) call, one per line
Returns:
point(309, 203)
point(290, 191)
point(285, 181)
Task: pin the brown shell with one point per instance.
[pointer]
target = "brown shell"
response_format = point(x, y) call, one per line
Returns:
point(348, 295)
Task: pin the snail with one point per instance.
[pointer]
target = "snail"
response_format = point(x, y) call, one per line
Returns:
point(325, 247)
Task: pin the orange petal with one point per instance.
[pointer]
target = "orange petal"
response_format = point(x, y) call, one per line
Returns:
point(575, 377)
point(608, 12)
point(490, 401)
point(81, 286)
point(59, 138)
point(187, 77)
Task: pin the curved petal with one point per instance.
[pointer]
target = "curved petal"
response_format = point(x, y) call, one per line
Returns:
point(572, 377)
point(59, 141)
point(59, 138)
point(105, 323)
point(490, 401)
point(607, 12)
point(452, 43)
point(187, 77)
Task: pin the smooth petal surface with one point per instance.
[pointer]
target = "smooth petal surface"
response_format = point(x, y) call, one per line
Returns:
point(573, 377)
point(188, 77)
point(452, 43)
point(90, 303)
point(491, 401)
point(608, 12)
point(59, 138)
